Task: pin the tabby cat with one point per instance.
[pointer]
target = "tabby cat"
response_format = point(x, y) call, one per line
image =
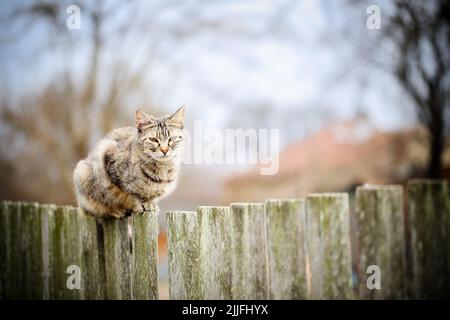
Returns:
point(130, 169)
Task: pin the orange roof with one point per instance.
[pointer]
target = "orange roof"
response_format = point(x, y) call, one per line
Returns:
point(353, 146)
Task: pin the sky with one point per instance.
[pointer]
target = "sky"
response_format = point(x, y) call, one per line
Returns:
point(297, 61)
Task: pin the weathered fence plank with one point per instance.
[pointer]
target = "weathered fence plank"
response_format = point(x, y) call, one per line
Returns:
point(249, 251)
point(72, 254)
point(4, 247)
point(429, 229)
point(328, 246)
point(380, 236)
point(65, 253)
point(145, 256)
point(26, 230)
point(14, 271)
point(52, 253)
point(286, 251)
point(184, 255)
point(32, 247)
point(90, 246)
point(215, 252)
point(47, 213)
point(117, 246)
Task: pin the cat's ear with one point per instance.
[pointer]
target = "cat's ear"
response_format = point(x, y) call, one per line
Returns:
point(142, 120)
point(177, 118)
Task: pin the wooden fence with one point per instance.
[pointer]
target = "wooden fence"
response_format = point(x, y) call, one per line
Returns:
point(302, 248)
point(42, 246)
point(398, 248)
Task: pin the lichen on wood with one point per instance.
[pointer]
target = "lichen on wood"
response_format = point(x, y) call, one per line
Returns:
point(5, 248)
point(286, 249)
point(215, 252)
point(92, 275)
point(145, 256)
point(429, 230)
point(117, 250)
point(184, 255)
point(328, 246)
point(249, 251)
point(380, 236)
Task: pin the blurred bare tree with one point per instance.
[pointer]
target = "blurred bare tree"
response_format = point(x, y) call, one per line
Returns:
point(421, 32)
point(46, 133)
point(413, 45)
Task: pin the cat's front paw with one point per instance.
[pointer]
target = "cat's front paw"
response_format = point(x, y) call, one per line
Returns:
point(117, 214)
point(139, 208)
point(149, 206)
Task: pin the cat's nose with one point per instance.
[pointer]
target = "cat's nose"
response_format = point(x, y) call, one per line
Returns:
point(164, 149)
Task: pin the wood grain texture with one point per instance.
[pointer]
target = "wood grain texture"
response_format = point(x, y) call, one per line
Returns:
point(184, 255)
point(14, 268)
point(145, 256)
point(380, 235)
point(215, 252)
point(250, 272)
point(286, 249)
point(328, 246)
point(4, 248)
point(90, 245)
point(47, 213)
point(429, 229)
point(65, 252)
point(117, 246)
point(32, 242)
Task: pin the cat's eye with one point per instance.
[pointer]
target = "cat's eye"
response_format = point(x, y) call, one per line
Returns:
point(174, 138)
point(153, 140)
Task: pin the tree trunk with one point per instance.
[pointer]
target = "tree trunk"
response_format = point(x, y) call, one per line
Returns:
point(436, 148)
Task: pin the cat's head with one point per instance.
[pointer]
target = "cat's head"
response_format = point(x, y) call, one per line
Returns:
point(161, 138)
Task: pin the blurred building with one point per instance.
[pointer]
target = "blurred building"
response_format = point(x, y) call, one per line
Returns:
point(337, 158)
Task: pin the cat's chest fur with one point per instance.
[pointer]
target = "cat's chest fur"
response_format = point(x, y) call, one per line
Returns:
point(156, 179)
point(139, 176)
